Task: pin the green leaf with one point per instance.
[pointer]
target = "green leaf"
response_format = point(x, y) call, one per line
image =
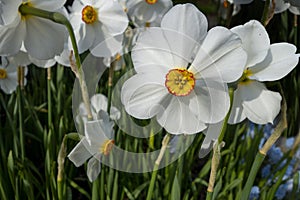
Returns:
point(175, 193)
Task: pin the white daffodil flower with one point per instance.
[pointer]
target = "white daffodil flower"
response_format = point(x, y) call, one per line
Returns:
point(97, 142)
point(98, 26)
point(146, 13)
point(179, 81)
point(9, 75)
point(265, 62)
point(43, 39)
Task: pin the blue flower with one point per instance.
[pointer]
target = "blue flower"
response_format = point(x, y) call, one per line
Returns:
point(289, 142)
point(275, 154)
point(266, 171)
point(254, 194)
point(281, 192)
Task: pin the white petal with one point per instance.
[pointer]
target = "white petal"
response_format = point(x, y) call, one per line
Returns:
point(212, 134)
point(280, 61)
point(113, 17)
point(97, 132)
point(156, 46)
point(43, 63)
point(50, 5)
point(9, 85)
point(80, 153)
point(261, 106)
point(280, 6)
point(177, 118)
point(182, 18)
point(294, 10)
point(44, 39)
point(93, 168)
point(21, 59)
point(220, 56)
point(9, 11)
point(99, 102)
point(210, 102)
point(142, 95)
point(11, 37)
point(237, 114)
point(255, 41)
point(107, 47)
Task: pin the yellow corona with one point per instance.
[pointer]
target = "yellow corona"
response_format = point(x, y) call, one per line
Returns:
point(180, 82)
point(3, 74)
point(89, 15)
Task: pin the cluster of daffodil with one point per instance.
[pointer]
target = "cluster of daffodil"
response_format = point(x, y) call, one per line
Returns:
point(184, 72)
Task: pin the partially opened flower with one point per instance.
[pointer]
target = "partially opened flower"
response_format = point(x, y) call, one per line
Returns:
point(97, 142)
point(9, 75)
point(98, 26)
point(265, 62)
point(146, 13)
point(181, 71)
point(43, 39)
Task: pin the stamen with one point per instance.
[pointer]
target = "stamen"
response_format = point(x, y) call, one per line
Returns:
point(245, 77)
point(3, 74)
point(151, 1)
point(107, 147)
point(180, 82)
point(89, 15)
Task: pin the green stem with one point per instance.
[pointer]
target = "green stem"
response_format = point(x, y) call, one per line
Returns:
point(20, 110)
point(265, 15)
point(49, 98)
point(165, 143)
point(224, 127)
point(110, 84)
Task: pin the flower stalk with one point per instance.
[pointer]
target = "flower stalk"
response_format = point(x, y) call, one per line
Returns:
point(214, 168)
point(165, 143)
point(20, 109)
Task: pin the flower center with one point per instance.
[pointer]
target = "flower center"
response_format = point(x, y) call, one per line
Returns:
point(89, 15)
point(245, 77)
point(3, 74)
point(180, 82)
point(151, 1)
point(107, 147)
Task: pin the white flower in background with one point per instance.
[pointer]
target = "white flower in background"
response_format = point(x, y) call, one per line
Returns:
point(98, 103)
point(9, 75)
point(265, 62)
point(43, 39)
point(146, 13)
point(292, 6)
point(179, 82)
point(97, 142)
point(98, 26)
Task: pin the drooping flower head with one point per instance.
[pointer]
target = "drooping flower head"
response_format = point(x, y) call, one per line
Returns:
point(265, 62)
point(98, 26)
point(181, 71)
point(97, 142)
point(42, 38)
